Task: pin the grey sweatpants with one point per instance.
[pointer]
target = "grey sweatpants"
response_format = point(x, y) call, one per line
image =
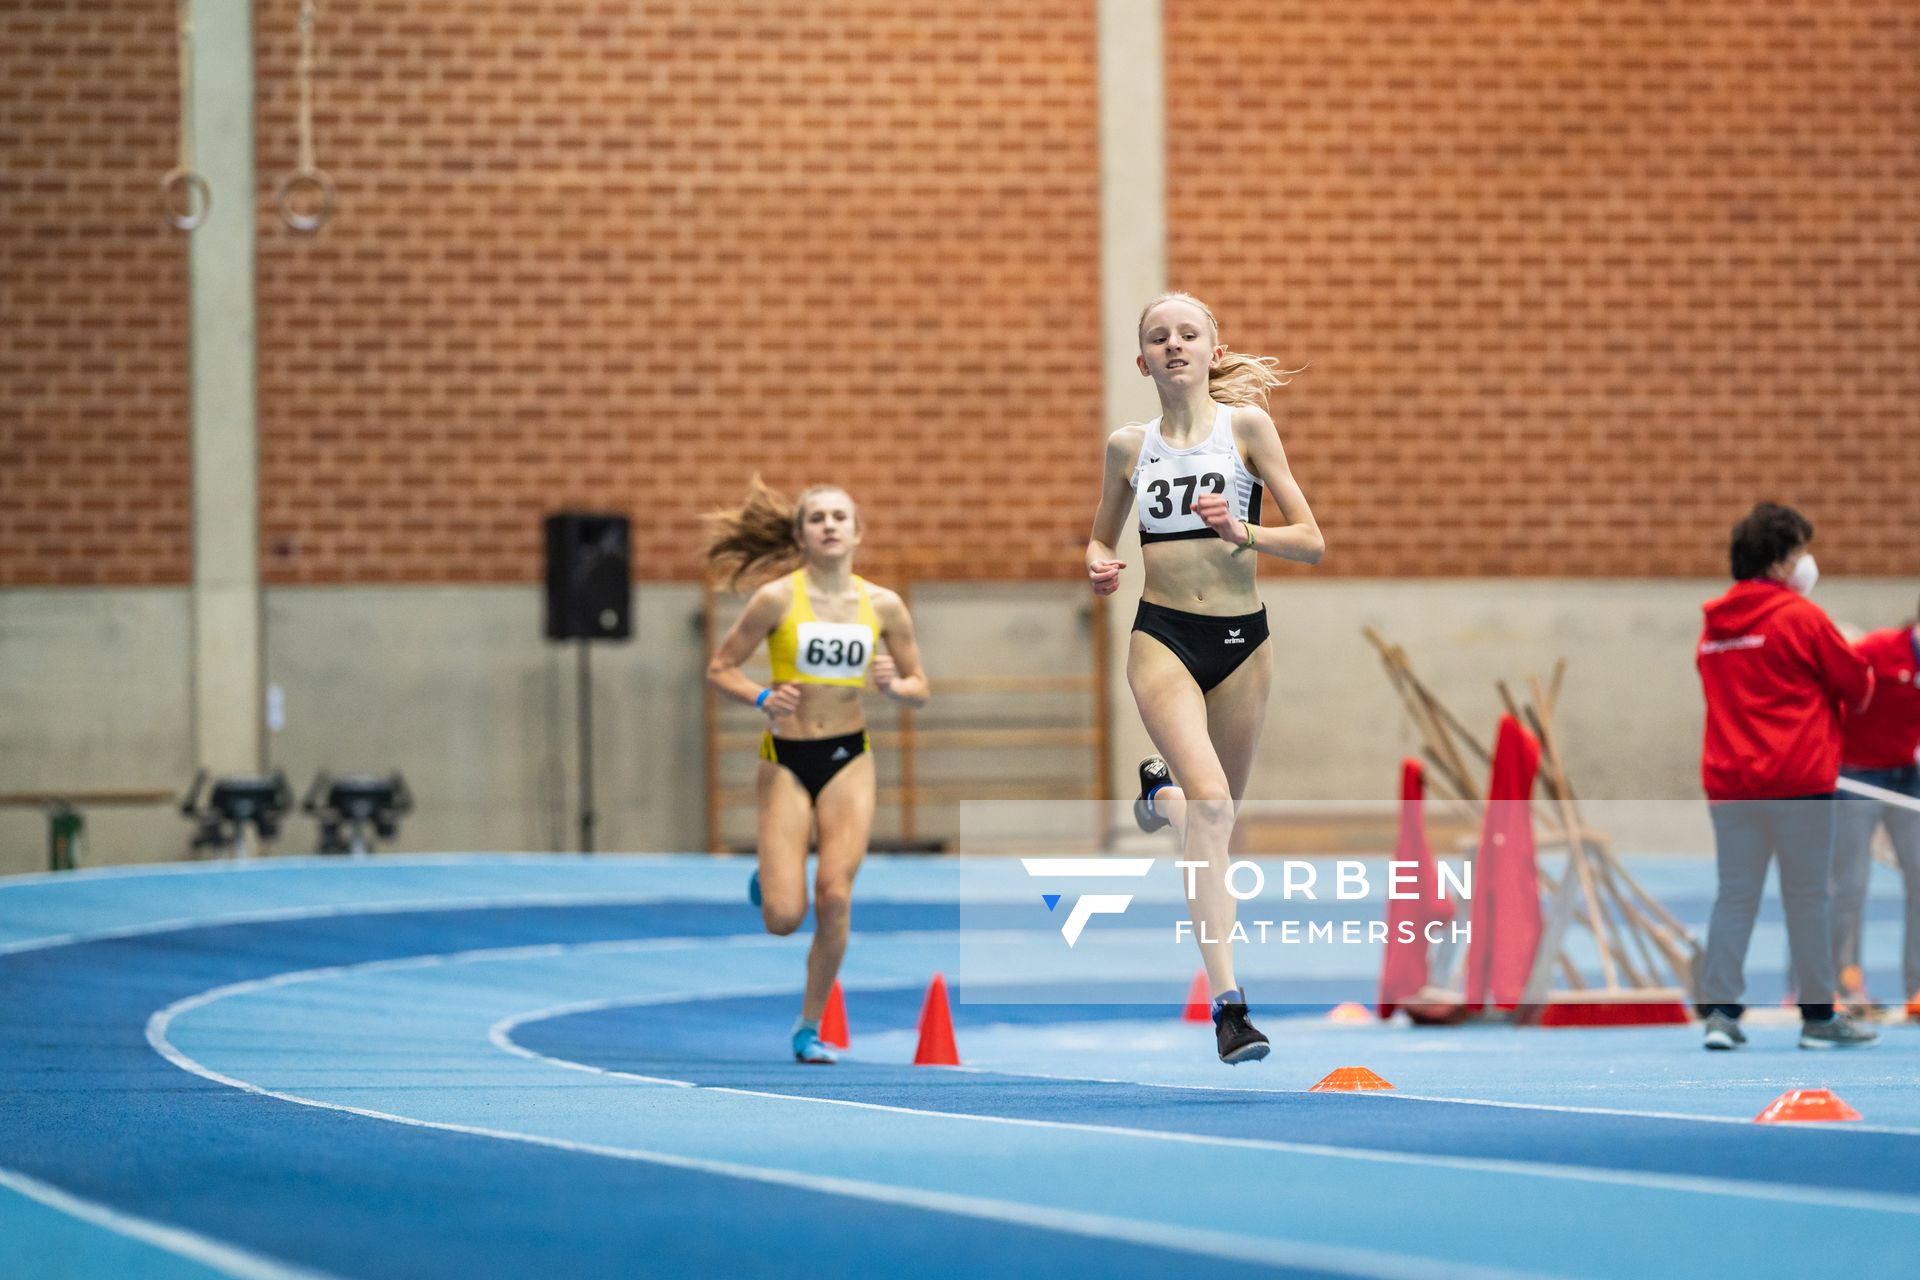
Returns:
point(1858, 816)
point(1748, 835)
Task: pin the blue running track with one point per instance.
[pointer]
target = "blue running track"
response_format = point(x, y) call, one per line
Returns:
point(549, 1066)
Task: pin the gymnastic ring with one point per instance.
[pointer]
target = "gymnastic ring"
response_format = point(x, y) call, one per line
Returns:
point(298, 180)
point(193, 183)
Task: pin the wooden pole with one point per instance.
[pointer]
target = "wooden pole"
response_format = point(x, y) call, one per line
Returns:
point(710, 719)
point(1576, 850)
point(1420, 708)
point(909, 753)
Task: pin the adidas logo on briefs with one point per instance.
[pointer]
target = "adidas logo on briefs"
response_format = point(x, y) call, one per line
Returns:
point(1234, 636)
point(839, 753)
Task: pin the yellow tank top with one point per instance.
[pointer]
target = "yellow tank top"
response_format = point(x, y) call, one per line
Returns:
point(806, 650)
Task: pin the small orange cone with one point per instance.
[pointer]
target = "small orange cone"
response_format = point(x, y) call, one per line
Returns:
point(1797, 1105)
point(1913, 1007)
point(936, 1029)
point(1349, 1080)
point(1349, 1012)
point(833, 1023)
point(1199, 1000)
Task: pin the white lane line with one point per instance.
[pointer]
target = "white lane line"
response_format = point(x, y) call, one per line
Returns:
point(535, 951)
point(1359, 1262)
point(395, 906)
point(1849, 1127)
point(385, 862)
point(392, 907)
point(501, 1036)
point(225, 1258)
point(1691, 1184)
point(1680, 1183)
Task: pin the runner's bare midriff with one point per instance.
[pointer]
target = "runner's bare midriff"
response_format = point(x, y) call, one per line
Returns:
point(1200, 576)
point(825, 711)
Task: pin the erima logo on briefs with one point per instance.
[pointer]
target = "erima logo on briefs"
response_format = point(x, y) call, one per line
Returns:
point(839, 753)
point(1092, 904)
point(1234, 637)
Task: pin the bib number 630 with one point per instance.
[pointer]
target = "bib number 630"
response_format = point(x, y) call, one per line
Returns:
point(832, 651)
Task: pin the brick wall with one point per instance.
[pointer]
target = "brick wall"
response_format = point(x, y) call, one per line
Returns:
point(93, 401)
point(1578, 281)
point(621, 256)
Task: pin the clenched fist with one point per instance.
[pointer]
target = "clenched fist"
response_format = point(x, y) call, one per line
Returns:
point(1104, 576)
point(1218, 513)
point(783, 701)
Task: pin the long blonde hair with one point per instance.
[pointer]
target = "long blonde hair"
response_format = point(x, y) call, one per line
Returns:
point(760, 538)
point(1240, 379)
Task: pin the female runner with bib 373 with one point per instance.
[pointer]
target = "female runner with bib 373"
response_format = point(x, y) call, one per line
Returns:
point(1200, 665)
point(823, 627)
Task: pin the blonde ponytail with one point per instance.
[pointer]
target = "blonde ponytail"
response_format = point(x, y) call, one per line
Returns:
point(760, 538)
point(753, 540)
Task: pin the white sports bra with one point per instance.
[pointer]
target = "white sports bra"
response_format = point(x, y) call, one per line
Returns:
point(1166, 481)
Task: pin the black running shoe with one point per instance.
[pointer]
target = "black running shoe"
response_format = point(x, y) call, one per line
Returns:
point(1153, 776)
point(1238, 1039)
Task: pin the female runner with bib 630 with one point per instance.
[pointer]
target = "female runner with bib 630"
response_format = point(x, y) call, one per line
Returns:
point(823, 628)
point(1200, 665)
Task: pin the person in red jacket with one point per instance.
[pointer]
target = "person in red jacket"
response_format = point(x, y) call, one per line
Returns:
point(1777, 674)
point(1878, 748)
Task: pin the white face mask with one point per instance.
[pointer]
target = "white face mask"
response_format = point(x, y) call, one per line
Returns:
point(1805, 574)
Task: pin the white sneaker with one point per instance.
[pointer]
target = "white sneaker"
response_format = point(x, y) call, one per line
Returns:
point(1723, 1032)
point(1837, 1032)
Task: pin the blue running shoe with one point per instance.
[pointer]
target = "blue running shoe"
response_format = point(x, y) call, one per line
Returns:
point(808, 1048)
point(753, 889)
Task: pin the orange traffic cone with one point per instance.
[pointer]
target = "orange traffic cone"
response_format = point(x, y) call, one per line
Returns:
point(1806, 1104)
point(833, 1023)
point(1349, 1080)
point(936, 1029)
point(1199, 1000)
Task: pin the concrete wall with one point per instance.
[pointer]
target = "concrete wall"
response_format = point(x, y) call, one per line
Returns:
point(456, 687)
point(95, 692)
point(1630, 708)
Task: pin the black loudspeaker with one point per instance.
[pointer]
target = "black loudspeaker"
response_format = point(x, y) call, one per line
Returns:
point(589, 576)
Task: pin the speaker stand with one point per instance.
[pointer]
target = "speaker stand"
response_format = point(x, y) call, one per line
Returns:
point(586, 748)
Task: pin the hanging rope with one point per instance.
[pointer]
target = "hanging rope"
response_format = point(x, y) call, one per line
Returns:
point(308, 182)
point(183, 188)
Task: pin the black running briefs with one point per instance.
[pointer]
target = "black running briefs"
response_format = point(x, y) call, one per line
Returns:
point(814, 761)
point(1210, 648)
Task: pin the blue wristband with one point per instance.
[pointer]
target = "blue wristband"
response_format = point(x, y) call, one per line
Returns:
point(761, 701)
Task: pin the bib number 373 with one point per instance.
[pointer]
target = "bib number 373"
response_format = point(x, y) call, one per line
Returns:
point(833, 650)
